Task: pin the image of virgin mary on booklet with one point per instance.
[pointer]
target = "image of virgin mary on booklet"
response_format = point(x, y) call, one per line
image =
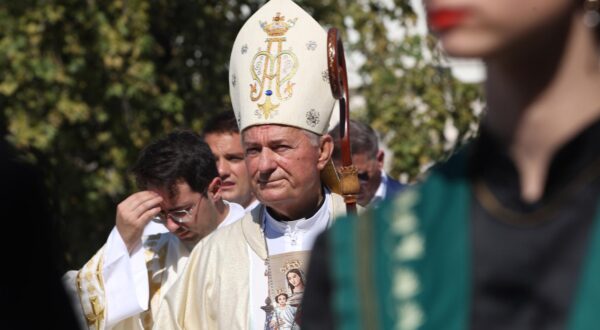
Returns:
point(286, 288)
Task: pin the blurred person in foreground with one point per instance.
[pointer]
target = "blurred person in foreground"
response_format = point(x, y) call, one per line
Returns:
point(375, 184)
point(283, 107)
point(123, 284)
point(222, 134)
point(30, 279)
point(506, 233)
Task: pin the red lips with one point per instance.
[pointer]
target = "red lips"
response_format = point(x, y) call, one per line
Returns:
point(444, 19)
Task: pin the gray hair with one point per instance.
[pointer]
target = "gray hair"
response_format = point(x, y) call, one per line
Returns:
point(313, 138)
point(363, 139)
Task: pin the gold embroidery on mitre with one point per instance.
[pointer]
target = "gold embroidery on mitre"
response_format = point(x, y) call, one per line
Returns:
point(268, 107)
point(272, 68)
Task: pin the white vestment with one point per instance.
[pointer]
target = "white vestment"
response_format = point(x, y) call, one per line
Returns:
point(283, 318)
point(224, 283)
point(118, 290)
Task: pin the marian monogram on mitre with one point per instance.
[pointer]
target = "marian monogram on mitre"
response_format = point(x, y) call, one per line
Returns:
point(273, 69)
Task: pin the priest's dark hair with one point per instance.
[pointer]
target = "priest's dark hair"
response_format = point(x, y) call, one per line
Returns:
point(181, 155)
point(221, 123)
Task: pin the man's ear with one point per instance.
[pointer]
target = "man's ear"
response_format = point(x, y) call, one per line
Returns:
point(380, 158)
point(325, 150)
point(214, 189)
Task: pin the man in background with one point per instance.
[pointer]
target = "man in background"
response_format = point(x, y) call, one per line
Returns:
point(222, 134)
point(375, 184)
point(122, 285)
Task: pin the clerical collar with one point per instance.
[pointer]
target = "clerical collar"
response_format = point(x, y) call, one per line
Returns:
point(303, 224)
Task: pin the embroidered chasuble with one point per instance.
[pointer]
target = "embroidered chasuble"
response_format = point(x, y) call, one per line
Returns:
point(159, 251)
point(139, 282)
point(227, 284)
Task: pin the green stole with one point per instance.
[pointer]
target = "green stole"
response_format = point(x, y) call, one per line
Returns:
point(407, 264)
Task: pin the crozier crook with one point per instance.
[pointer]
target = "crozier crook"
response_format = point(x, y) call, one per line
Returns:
point(338, 80)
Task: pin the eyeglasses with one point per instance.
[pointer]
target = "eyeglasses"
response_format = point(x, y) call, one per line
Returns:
point(178, 216)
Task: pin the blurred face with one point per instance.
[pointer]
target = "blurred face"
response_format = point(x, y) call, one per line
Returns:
point(369, 175)
point(281, 300)
point(295, 280)
point(484, 28)
point(228, 152)
point(201, 218)
point(284, 166)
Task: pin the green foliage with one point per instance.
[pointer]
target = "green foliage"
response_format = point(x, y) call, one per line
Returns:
point(86, 84)
point(409, 95)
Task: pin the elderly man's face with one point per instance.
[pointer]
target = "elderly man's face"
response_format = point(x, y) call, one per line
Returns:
point(284, 164)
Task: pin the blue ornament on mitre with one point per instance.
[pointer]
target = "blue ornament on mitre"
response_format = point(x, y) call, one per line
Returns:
point(278, 70)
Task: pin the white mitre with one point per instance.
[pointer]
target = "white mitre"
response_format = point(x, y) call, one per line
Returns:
point(278, 70)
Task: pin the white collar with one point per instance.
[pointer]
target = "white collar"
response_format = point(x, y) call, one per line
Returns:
point(252, 205)
point(235, 213)
point(281, 227)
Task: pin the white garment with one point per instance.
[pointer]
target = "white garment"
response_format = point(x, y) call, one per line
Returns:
point(224, 284)
point(123, 289)
point(297, 235)
point(252, 205)
point(284, 237)
point(236, 212)
point(126, 277)
point(153, 228)
point(283, 318)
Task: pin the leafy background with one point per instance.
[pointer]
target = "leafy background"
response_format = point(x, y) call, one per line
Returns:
point(85, 85)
